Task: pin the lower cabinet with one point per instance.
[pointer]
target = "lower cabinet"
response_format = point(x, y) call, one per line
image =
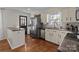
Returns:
point(48, 35)
point(55, 36)
point(62, 34)
point(16, 38)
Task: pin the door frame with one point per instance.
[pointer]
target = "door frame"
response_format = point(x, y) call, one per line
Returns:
point(20, 23)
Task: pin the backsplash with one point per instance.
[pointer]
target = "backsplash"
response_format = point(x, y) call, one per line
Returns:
point(71, 23)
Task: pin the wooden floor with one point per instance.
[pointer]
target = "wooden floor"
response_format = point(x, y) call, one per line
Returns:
point(32, 45)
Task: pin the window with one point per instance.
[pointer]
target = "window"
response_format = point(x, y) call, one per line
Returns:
point(1, 31)
point(54, 20)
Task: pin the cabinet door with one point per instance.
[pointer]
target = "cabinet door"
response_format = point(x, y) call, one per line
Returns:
point(62, 35)
point(68, 14)
point(71, 14)
point(65, 15)
point(42, 33)
point(59, 36)
point(49, 35)
point(54, 36)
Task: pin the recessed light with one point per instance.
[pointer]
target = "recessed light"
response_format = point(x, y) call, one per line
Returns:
point(28, 8)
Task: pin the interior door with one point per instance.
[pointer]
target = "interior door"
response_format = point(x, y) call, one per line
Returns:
point(23, 23)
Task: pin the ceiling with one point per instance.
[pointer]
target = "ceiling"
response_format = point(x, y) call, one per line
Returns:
point(29, 9)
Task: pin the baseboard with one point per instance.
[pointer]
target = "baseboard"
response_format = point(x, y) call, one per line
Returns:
point(3, 38)
point(52, 43)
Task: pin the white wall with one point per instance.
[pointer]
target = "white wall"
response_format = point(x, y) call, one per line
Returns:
point(66, 12)
point(1, 30)
point(44, 17)
point(11, 18)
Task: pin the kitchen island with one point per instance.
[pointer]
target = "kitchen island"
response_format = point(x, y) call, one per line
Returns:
point(15, 37)
point(69, 44)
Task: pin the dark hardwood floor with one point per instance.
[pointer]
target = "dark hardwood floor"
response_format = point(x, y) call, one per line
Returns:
point(32, 45)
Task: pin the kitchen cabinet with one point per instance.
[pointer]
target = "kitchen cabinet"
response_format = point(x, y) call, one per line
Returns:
point(68, 14)
point(64, 12)
point(71, 14)
point(48, 35)
point(61, 36)
point(55, 36)
point(16, 38)
point(43, 33)
point(51, 35)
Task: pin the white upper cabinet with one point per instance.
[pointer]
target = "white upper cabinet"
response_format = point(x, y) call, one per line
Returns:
point(67, 13)
point(71, 14)
point(64, 15)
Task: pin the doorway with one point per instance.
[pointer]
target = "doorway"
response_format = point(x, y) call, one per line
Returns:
point(23, 23)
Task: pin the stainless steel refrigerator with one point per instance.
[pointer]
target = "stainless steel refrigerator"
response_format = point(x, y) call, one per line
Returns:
point(36, 26)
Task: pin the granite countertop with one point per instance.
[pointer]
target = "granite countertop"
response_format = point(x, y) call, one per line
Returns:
point(69, 44)
point(60, 29)
point(15, 29)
